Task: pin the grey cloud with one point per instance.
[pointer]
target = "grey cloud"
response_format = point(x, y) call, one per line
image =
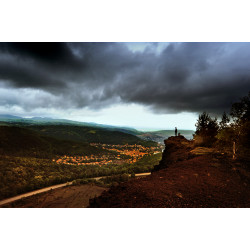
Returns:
point(183, 77)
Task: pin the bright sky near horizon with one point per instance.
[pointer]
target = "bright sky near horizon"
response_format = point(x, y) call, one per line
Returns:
point(137, 116)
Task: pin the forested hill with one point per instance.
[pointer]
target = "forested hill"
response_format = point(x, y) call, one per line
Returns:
point(19, 141)
point(20, 137)
point(89, 134)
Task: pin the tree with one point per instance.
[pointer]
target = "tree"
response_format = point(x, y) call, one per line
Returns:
point(226, 132)
point(240, 111)
point(206, 125)
point(206, 129)
point(238, 131)
point(224, 123)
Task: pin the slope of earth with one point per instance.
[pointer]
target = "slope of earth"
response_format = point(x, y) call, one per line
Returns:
point(66, 197)
point(186, 177)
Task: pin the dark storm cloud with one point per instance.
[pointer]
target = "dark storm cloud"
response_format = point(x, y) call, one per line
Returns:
point(51, 53)
point(182, 77)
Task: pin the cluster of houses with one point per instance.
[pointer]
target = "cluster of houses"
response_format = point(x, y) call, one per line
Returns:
point(124, 154)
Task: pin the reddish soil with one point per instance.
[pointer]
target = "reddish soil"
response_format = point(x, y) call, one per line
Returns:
point(66, 197)
point(186, 177)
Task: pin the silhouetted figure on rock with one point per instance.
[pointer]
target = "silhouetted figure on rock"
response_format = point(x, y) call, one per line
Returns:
point(175, 131)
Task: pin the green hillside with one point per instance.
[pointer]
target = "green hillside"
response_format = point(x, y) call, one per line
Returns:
point(89, 134)
point(26, 142)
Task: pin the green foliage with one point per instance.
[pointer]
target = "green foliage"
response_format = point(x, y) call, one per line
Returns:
point(206, 130)
point(23, 174)
point(89, 135)
point(238, 131)
point(82, 181)
point(224, 123)
point(226, 133)
point(115, 179)
point(18, 141)
point(240, 111)
point(225, 138)
point(105, 181)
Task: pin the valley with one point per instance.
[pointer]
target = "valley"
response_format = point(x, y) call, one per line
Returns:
point(34, 157)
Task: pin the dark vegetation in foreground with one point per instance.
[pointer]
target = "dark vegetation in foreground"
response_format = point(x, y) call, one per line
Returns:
point(231, 135)
point(107, 181)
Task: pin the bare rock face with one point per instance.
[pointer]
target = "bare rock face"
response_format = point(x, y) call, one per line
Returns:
point(177, 148)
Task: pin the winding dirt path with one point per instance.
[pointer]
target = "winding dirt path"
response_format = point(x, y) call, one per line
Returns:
point(43, 190)
point(65, 197)
point(21, 196)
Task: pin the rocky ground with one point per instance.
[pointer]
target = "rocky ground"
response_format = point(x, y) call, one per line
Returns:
point(186, 177)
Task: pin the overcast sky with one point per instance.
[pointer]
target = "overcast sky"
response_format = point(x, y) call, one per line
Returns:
point(141, 85)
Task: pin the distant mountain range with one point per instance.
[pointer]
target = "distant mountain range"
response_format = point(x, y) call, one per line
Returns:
point(8, 117)
point(50, 121)
point(68, 130)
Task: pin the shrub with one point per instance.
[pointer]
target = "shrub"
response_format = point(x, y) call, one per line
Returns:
point(206, 130)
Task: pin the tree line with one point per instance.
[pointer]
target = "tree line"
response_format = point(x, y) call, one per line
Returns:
point(231, 133)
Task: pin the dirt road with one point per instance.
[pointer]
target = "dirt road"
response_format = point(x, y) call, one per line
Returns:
point(43, 190)
point(21, 196)
point(65, 197)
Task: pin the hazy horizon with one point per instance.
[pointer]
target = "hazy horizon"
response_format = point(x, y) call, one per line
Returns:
point(106, 124)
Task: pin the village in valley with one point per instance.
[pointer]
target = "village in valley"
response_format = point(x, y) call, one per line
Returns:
point(116, 154)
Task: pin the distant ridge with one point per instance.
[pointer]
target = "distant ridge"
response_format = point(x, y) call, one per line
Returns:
point(16, 120)
point(156, 136)
point(9, 117)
